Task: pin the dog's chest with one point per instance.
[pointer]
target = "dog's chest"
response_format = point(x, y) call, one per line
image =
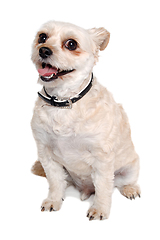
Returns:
point(69, 144)
point(58, 122)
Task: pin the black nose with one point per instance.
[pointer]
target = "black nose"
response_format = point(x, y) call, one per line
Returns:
point(44, 52)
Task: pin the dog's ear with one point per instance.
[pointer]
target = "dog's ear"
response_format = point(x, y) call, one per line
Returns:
point(100, 36)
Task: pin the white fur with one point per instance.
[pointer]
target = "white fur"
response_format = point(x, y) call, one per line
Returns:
point(90, 143)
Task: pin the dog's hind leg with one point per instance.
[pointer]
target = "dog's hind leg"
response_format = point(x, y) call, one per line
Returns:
point(126, 180)
point(37, 169)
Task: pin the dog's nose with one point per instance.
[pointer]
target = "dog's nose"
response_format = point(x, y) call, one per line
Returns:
point(44, 52)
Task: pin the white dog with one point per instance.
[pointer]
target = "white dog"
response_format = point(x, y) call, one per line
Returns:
point(83, 136)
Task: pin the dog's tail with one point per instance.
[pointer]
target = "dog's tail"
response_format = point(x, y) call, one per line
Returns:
point(37, 169)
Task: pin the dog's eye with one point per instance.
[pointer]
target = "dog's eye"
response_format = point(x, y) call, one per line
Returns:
point(70, 44)
point(42, 38)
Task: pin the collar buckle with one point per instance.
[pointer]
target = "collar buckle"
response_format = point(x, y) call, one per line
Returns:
point(69, 103)
point(61, 103)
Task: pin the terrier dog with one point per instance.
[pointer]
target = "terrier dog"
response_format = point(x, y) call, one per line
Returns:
point(83, 136)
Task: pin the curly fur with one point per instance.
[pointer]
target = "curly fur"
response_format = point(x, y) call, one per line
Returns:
point(89, 145)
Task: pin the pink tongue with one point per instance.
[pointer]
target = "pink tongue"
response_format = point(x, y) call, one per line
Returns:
point(47, 71)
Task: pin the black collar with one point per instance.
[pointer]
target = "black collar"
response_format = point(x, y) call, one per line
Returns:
point(65, 102)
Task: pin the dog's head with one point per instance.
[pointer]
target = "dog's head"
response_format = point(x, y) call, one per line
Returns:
point(63, 52)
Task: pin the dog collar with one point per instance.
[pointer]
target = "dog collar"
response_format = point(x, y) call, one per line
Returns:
point(65, 102)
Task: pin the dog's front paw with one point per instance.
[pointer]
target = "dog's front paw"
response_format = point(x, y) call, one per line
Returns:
point(97, 213)
point(50, 205)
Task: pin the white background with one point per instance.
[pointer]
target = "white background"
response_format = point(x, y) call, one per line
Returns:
point(129, 68)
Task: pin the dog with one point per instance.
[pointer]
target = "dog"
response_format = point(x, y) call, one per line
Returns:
point(83, 136)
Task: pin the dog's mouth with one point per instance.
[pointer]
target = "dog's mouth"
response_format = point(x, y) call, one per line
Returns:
point(49, 73)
